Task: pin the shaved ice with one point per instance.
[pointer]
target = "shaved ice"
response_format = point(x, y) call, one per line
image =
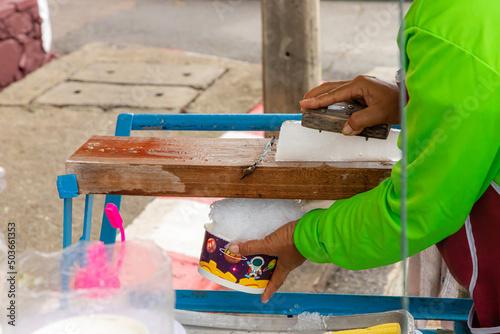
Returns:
point(247, 219)
point(307, 322)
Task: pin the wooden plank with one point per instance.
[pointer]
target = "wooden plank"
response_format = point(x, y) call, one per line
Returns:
point(208, 167)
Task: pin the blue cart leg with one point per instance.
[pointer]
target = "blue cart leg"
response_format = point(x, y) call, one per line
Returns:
point(460, 327)
point(68, 222)
point(108, 232)
point(87, 219)
point(68, 188)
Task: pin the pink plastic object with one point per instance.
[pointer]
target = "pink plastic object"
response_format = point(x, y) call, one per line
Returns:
point(98, 273)
point(115, 219)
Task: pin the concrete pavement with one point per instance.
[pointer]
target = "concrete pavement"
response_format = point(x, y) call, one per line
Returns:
point(356, 36)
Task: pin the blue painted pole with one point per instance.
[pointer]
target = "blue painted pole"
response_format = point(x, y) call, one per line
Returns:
point(207, 122)
point(67, 222)
point(124, 124)
point(212, 122)
point(67, 187)
point(461, 327)
point(108, 232)
point(450, 309)
point(87, 219)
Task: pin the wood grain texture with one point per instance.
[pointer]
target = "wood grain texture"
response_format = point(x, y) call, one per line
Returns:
point(325, 120)
point(208, 167)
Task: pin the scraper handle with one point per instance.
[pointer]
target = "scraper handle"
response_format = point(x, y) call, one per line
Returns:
point(333, 118)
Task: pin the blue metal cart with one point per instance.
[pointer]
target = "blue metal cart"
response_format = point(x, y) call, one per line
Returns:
point(289, 304)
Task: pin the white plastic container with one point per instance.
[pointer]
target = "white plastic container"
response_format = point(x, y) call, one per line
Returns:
point(96, 324)
point(93, 288)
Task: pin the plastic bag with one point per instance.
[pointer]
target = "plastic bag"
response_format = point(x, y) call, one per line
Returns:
point(91, 287)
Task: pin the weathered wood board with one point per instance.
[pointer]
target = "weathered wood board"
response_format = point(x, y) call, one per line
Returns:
point(212, 167)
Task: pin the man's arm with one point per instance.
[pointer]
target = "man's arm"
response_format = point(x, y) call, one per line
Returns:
point(453, 155)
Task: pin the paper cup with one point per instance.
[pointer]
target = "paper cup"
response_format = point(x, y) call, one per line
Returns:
point(249, 274)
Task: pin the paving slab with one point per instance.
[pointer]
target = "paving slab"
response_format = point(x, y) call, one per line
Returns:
point(34, 144)
point(229, 95)
point(23, 92)
point(105, 52)
point(192, 75)
point(237, 91)
point(240, 83)
point(109, 95)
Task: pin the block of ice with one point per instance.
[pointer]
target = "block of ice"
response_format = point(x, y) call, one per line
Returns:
point(298, 143)
point(247, 218)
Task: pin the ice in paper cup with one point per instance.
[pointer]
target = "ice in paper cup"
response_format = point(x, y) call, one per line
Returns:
point(249, 274)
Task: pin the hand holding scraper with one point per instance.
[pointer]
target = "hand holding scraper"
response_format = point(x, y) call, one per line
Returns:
point(334, 117)
point(379, 105)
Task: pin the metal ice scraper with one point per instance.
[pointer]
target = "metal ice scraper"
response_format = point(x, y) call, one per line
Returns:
point(333, 118)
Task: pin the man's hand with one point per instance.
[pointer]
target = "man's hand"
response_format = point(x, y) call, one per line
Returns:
point(381, 98)
point(279, 243)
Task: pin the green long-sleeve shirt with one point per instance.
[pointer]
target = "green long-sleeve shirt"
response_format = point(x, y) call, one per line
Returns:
point(453, 115)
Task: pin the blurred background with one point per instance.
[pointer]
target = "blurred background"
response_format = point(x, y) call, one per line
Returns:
point(355, 36)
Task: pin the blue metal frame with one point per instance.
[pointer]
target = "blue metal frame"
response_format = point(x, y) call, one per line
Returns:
point(68, 222)
point(188, 122)
point(87, 219)
point(236, 302)
point(67, 186)
point(108, 232)
point(285, 303)
point(211, 122)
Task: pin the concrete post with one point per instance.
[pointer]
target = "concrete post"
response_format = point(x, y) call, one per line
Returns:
point(290, 52)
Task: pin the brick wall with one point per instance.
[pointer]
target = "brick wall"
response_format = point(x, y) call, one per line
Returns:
point(21, 49)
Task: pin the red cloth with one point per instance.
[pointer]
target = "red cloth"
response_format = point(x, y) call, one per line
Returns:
point(485, 227)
